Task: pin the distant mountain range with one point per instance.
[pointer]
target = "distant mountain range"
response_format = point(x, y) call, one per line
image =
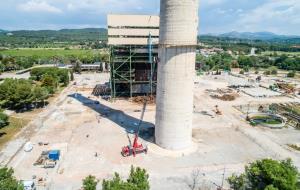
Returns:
point(255, 36)
point(94, 33)
point(79, 35)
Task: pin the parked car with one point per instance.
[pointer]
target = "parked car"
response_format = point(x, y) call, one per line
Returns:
point(28, 185)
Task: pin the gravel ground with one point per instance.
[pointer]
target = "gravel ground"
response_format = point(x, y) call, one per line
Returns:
point(80, 128)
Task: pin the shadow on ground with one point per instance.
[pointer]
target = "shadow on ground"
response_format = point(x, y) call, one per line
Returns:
point(127, 122)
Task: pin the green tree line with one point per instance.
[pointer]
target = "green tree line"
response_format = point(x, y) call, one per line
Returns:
point(9, 63)
point(226, 62)
point(22, 93)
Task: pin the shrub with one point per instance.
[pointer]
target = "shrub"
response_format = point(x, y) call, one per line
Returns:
point(266, 174)
point(267, 72)
point(246, 69)
point(137, 180)
point(291, 74)
point(274, 71)
point(3, 119)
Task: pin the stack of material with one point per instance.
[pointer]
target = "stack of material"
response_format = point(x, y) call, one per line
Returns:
point(142, 99)
point(101, 89)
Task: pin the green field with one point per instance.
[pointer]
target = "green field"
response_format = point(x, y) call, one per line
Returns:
point(47, 53)
point(281, 52)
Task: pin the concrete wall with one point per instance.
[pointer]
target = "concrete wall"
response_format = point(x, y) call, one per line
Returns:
point(117, 20)
point(176, 71)
point(132, 29)
point(130, 41)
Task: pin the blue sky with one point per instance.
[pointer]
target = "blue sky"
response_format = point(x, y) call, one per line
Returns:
point(216, 16)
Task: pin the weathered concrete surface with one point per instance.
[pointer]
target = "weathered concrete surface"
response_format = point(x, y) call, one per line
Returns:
point(178, 37)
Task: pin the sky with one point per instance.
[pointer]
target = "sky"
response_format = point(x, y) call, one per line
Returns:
point(216, 16)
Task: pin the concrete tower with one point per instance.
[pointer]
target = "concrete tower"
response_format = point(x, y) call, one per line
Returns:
point(176, 68)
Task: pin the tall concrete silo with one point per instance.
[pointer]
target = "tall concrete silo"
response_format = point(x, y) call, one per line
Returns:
point(176, 68)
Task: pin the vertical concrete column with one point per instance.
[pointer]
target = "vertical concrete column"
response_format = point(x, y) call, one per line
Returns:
point(176, 71)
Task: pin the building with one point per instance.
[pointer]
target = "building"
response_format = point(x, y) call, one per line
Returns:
point(133, 41)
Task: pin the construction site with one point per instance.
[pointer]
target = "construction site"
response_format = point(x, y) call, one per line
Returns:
point(157, 114)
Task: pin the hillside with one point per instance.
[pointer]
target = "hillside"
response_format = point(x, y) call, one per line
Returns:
point(91, 37)
point(263, 36)
point(28, 38)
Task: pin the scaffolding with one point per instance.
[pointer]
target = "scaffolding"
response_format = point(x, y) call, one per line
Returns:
point(133, 43)
point(133, 70)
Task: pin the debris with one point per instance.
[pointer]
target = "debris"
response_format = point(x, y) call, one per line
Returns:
point(28, 147)
point(61, 171)
point(48, 159)
point(141, 99)
point(288, 88)
point(223, 94)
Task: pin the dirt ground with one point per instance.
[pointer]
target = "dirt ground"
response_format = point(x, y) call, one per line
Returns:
point(79, 128)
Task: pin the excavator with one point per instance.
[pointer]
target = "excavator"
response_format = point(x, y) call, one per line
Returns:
point(136, 147)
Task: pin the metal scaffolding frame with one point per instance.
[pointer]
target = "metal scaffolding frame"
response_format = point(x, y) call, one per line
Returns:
point(133, 65)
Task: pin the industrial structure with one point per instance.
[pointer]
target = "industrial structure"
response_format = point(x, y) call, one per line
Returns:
point(176, 68)
point(133, 43)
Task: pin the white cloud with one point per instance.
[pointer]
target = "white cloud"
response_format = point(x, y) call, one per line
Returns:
point(38, 6)
point(274, 15)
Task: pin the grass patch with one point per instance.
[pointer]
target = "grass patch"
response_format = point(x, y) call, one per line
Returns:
point(295, 147)
point(266, 120)
point(8, 132)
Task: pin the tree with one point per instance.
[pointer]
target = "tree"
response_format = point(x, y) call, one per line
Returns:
point(21, 93)
point(50, 83)
point(40, 94)
point(137, 180)
point(114, 184)
point(266, 174)
point(77, 66)
point(71, 75)
point(90, 183)
point(8, 181)
point(62, 75)
point(3, 119)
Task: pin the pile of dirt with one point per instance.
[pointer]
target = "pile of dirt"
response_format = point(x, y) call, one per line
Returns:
point(223, 94)
point(288, 88)
point(227, 97)
point(142, 99)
